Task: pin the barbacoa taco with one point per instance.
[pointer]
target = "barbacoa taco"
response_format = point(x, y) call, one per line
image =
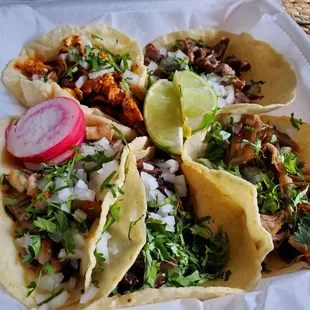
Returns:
point(53, 210)
point(262, 162)
point(96, 64)
point(174, 237)
point(245, 73)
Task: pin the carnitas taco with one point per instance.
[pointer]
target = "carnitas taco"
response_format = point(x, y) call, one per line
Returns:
point(245, 73)
point(174, 236)
point(96, 64)
point(56, 162)
point(262, 162)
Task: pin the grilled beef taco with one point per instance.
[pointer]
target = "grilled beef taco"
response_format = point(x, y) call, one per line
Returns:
point(96, 64)
point(245, 73)
point(167, 240)
point(52, 213)
point(262, 163)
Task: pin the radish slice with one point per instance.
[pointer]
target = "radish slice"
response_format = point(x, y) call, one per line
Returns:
point(46, 131)
point(55, 161)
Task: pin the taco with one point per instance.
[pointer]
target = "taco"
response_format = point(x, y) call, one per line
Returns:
point(176, 240)
point(263, 163)
point(52, 213)
point(245, 73)
point(96, 64)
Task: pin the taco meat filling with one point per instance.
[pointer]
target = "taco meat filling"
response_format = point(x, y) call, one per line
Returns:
point(268, 158)
point(94, 76)
point(54, 209)
point(180, 250)
point(222, 73)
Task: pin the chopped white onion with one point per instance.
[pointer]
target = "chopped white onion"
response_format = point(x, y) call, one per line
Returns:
point(170, 164)
point(72, 283)
point(169, 177)
point(90, 292)
point(152, 66)
point(41, 297)
point(163, 51)
point(71, 52)
point(84, 194)
point(102, 246)
point(24, 242)
point(155, 216)
point(147, 166)
point(150, 183)
point(87, 149)
point(62, 254)
point(106, 145)
point(86, 41)
point(224, 134)
point(55, 199)
point(81, 184)
point(230, 94)
point(180, 185)
point(129, 63)
point(108, 168)
point(178, 54)
point(41, 183)
point(80, 81)
point(165, 210)
point(64, 56)
point(74, 263)
point(78, 240)
point(131, 77)
point(170, 221)
point(79, 213)
point(84, 64)
point(157, 196)
point(65, 194)
point(58, 301)
point(81, 174)
point(49, 282)
point(65, 207)
point(96, 74)
point(60, 182)
point(286, 149)
point(168, 192)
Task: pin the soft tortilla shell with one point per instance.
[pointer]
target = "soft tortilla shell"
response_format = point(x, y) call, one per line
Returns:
point(245, 194)
point(266, 65)
point(45, 49)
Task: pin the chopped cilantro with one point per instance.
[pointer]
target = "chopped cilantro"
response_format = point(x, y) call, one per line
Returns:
point(303, 233)
point(55, 294)
point(33, 250)
point(99, 257)
point(71, 71)
point(132, 225)
point(291, 162)
point(45, 225)
point(121, 135)
point(114, 216)
point(295, 122)
point(94, 36)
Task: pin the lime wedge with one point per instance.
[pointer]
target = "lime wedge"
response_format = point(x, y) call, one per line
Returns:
point(163, 117)
point(197, 99)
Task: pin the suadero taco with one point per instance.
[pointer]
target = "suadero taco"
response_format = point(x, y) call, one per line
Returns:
point(96, 64)
point(175, 238)
point(53, 200)
point(246, 74)
point(263, 163)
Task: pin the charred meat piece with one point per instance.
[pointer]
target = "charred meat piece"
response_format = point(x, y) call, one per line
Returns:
point(240, 97)
point(35, 66)
point(238, 65)
point(273, 223)
point(156, 172)
point(152, 53)
point(253, 91)
point(207, 64)
point(224, 70)
point(189, 51)
point(131, 109)
point(202, 52)
point(235, 82)
point(66, 82)
point(220, 48)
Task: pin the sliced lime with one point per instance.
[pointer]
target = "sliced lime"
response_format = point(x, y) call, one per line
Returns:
point(197, 99)
point(163, 118)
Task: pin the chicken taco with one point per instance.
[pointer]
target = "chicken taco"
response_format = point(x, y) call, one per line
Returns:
point(262, 162)
point(243, 81)
point(96, 64)
point(178, 238)
point(56, 162)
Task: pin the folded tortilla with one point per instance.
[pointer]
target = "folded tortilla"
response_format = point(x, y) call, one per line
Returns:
point(45, 49)
point(267, 65)
point(247, 239)
point(244, 193)
point(14, 275)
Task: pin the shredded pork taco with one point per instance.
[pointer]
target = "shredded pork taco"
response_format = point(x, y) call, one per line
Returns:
point(263, 162)
point(52, 213)
point(180, 237)
point(246, 74)
point(96, 64)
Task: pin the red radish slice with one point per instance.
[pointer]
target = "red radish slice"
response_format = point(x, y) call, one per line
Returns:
point(46, 131)
point(56, 161)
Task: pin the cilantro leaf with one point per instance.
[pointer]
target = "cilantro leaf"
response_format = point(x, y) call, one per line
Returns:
point(121, 135)
point(99, 257)
point(55, 294)
point(107, 185)
point(94, 36)
point(114, 216)
point(303, 233)
point(296, 122)
point(291, 162)
point(33, 250)
point(46, 225)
